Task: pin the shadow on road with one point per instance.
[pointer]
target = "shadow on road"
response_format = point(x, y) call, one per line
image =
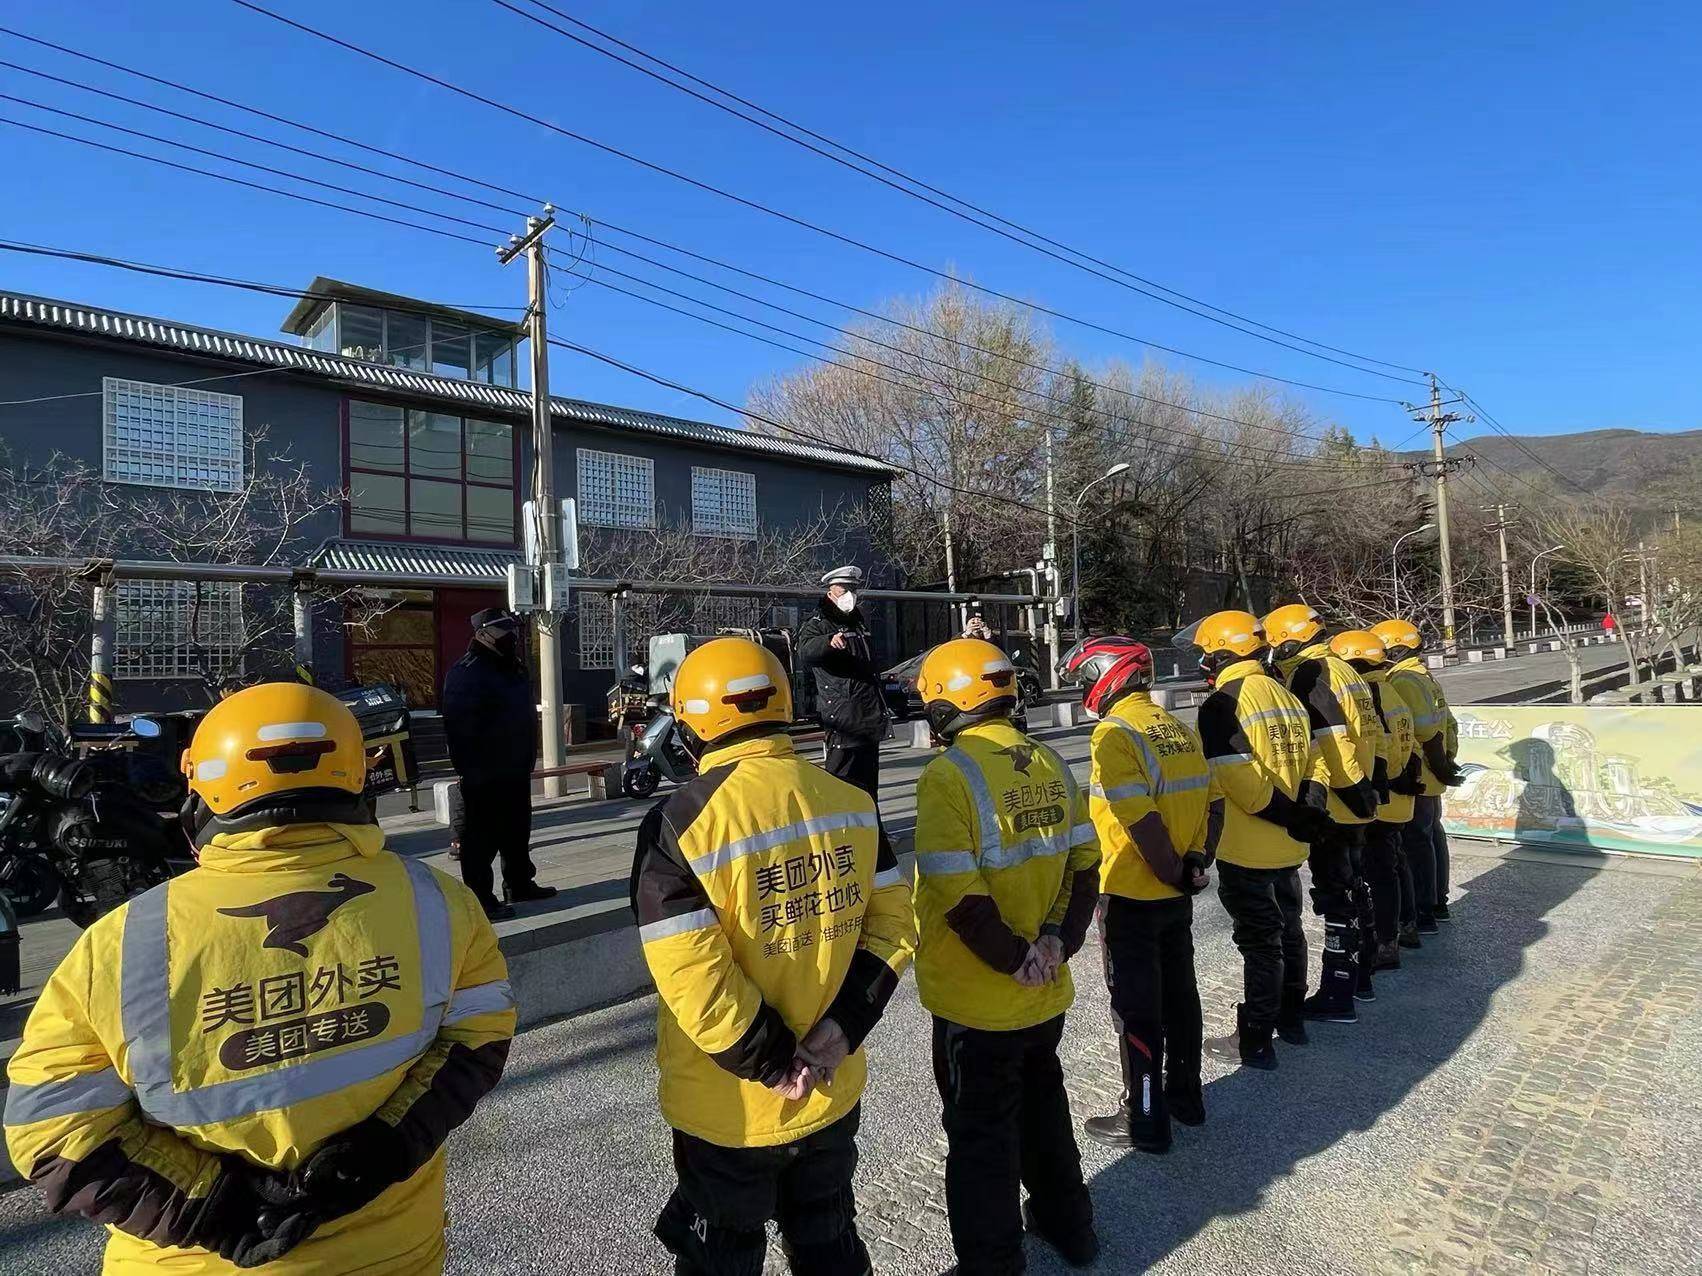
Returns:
point(1262, 1126)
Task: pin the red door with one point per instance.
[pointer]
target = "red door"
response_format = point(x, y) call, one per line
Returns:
point(455, 608)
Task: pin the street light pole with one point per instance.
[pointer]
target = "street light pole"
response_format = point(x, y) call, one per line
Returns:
point(1395, 560)
point(1122, 467)
point(1533, 595)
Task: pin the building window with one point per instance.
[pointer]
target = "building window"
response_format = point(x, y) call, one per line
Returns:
point(616, 490)
point(178, 628)
point(723, 503)
point(596, 630)
point(171, 436)
point(430, 475)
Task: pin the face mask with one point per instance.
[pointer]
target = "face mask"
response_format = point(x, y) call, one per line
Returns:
point(505, 644)
point(846, 602)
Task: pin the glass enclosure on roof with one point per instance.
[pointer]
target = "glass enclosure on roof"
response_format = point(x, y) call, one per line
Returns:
point(422, 343)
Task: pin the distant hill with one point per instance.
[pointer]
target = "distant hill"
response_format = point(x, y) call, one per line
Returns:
point(1648, 472)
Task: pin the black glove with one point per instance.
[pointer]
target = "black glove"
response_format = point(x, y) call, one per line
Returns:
point(1360, 798)
point(1454, 777)
point(1301, 822)
point(350, 1171)
point(1410, 788)
point(1193, 862)
point(252, 1216)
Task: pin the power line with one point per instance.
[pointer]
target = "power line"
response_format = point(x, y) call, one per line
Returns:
point(622, 230)
point(792, 219)
point(994, 224)
point(91, 394)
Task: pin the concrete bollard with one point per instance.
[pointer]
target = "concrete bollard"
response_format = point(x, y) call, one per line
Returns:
point(605, 782)
point(1533, 648)
point(440, 799)
point(1474, 657)
point(1064, 713)
point(1436, 662)
point(1499, 653)
point(1163, 697)
point(921, 736)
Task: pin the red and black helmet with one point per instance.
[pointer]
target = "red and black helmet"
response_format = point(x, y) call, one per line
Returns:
point(1105, 668)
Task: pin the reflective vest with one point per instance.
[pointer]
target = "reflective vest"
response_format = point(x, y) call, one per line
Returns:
point(997, 814)
point(1399, 744)
point(1256, 738)
point(764, 891)
point(1345, 728)
point(298, 982)
point(1431, 715)
point(1144, 760)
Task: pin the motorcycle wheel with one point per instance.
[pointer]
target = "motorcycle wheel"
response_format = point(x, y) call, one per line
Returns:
point(31, 886)
point(640, 782)
point(85, 908)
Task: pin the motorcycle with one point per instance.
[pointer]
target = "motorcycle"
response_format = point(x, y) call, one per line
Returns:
point(655, 754)
point(86, 818)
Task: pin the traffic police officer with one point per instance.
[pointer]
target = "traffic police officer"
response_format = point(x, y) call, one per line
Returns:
point(1255, 736)
point(835, 643)
point(1158, 823)
point(258, 1062)
point(776, 925)
point(1006, 881)
point(1424, 838)
point(1345, 736)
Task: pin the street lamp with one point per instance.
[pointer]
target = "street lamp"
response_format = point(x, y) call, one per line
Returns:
point(1532, 597)
point(1122, 467)
point(1395, 560)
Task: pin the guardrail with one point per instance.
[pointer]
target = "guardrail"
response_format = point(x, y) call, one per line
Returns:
point(1682, 686)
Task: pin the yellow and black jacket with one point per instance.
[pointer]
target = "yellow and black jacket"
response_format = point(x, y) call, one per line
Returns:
point(1005, 850)
point(1345, 733)
point(768, 899)
point(1433, 721)
point(1400, 757)
point(1147, 764)
point(1256, 737)
point(300, 981)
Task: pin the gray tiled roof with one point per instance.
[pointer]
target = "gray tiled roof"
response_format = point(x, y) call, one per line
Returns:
point(402, 558)
point(92, 321)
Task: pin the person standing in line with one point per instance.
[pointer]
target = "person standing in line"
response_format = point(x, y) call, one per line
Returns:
point(1158, 822)
point(1255, 736)
point(776, 924)
point(1007, 875)
point(491, 722)
point(834, 644)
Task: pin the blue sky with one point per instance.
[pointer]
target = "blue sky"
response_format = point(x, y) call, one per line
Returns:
point(1506, 193)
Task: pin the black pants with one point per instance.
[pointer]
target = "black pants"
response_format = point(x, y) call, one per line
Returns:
point(715, 1223)
point(856, 762)
point(1429, 870)
point(1007, 1122)
point(1332, 863)
point(498, 822)
point(1149, 968)
point(1382, 874)
point(1264, 904)
point(1403, 878)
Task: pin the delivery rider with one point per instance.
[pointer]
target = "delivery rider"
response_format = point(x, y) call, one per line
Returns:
point(1424, 838)
point(1007, 876)
point(776, 925)
point(1345, 736)
point(258, 1062)
point(1158, 822)
point(1255, 736)
point(1398, 767)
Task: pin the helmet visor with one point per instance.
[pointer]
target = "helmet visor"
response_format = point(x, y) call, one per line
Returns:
point(1189, 637)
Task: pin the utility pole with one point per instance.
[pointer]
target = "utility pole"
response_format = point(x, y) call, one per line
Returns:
point(1051, 556)
point(101, 645)
point(1643, 586)
point(1438, 468)
point(544, 502)
point(951, 564)
point(1506, 578)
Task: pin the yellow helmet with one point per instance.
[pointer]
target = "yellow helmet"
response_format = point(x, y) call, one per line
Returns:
point(278, 753)
point(729, 684)
point(1360, 647)
point(1295, 622)
point(1400, 638)
point(964, 681)
point(1222, 638)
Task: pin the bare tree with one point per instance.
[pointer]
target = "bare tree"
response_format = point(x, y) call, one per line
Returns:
point(1601, 541)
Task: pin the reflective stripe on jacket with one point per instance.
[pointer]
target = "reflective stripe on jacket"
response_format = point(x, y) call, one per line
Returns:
point(1144, 760)
point(767, 899)
point(1000, 817)
point(1431, 715)
point(1256, 738)
point(1345, 728)
point(298, 982)
point(1400, 745)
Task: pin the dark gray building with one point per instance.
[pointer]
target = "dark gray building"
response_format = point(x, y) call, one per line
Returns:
point(414, 411)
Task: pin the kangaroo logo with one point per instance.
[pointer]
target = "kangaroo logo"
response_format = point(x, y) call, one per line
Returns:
point(292, 918)
point(1021, 756)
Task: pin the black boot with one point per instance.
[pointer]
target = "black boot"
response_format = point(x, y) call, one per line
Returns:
point(1078, 1246)
point(1142, 1121)
point(1185, 1099)
point(1440, 913)
point(1333, 1002)
point(1249, 1045)
point(1408, 938)
point(529, 892)
point(1291, 1023)
point(1388, 956)
point(1364, 953)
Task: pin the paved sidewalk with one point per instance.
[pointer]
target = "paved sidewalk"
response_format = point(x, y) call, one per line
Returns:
point(1520, 1099)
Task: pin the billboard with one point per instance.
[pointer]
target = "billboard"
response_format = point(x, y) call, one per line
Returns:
point(1617, 778)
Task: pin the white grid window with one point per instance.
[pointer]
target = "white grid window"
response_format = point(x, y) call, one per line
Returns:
point(723, 503)
point(175, 628)
point(596, 629)
point(172, 436)
point(616, 490)
point(721, 612)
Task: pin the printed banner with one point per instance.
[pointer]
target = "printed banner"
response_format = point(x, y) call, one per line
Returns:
point(1618, 778)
